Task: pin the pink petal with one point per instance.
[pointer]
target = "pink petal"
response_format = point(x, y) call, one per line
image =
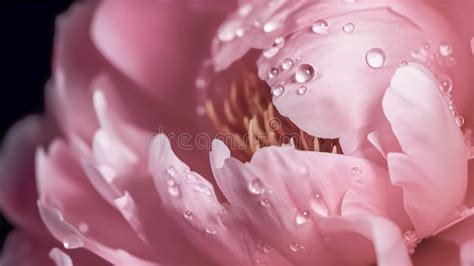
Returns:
point(385, 236)
point(22, 248)
point(279, 185)
point(168, 41)
point(192, 201)
point(17, 177)
point(75, 63)
point(65, 199)
point(433, 175)
point(467, 256)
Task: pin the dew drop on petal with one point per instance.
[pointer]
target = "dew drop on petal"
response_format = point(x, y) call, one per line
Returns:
point(375, 58)
point(245, 9)
point(354, 170)
point(271, 52)
point(277, 90)
point(302, 90)
point(171, 171)
point(318, 205)
point(445, 49)
point(445, 83)
point(320, 26)
point(273, 73)
point(73, 242)
point(265, 202)
point(459, 120)
point(211, 230)
point(296, 247)
point(256, 186)
point(271, 26)
point(304, 73)
point(287, 64)
point(240, 32)
point(348, 28)
point(188, 215)
point(173, 188)
point(301, 217)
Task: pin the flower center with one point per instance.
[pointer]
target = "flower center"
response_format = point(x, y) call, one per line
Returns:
point(248, 121)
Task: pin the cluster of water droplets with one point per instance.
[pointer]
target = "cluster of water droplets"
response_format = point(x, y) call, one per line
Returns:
point(411, 240)
point(436, 58)
point(358, 178)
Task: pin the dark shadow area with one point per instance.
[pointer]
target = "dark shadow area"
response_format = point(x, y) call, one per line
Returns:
point(27, 41)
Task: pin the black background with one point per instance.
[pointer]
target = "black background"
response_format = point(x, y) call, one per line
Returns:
point(27, 41)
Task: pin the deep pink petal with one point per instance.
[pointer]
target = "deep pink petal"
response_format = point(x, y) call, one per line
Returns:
point(433, 175)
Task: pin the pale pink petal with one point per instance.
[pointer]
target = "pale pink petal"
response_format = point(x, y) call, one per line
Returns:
point(22, 248)
point(386, 238)
point(288, 191)
point(75, 62)
point(467, 253)
point(433, 175)
point(66, 197)
point(60, 258)
point(209, 225)
point(17, 177)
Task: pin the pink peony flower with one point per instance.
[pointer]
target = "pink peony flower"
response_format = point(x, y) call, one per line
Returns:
point(343, 136)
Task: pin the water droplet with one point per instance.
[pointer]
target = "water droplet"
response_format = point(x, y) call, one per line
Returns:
point(273, 73)
point(445, 83)
point(279, 42)
point(302, 90)
point(265, 202)
point(202, 187)
point(320, 26)
point(348, 28)
point(271, 52)
point(261, 245)
point(445, 49)
point(410, 236)
point(271, 26)
point(227, 32)
point(240, 32)
point(171, 171)
point(426, 46)
point(354, 170)
point(459, 120)
point(83, 228)
point(287, 64)
point(403, 63)
point(73, 242)
point(173, 188)
point(211, 230)
point(277, 90)
point(318, 205)
point(245, 10)
point(302, 217)
point(256, 186)
point(359, 182)
point(304, 73)
point(296, 247)
point(188, 215)
point(375, 58)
